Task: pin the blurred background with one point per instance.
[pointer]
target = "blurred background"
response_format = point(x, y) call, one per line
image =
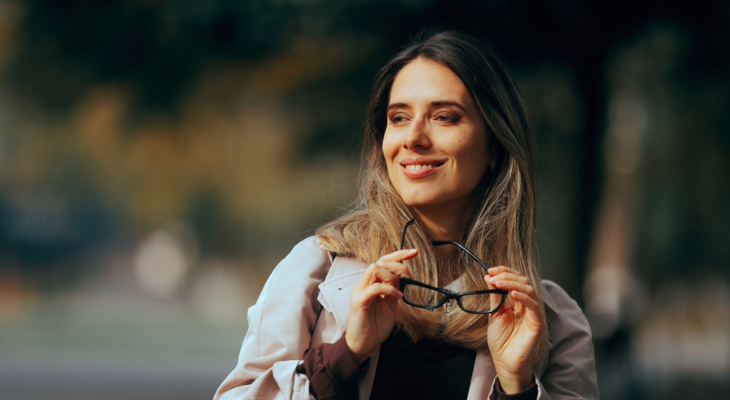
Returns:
point(158, 158)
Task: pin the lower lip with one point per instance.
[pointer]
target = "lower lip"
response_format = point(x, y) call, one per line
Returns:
point(421, 173)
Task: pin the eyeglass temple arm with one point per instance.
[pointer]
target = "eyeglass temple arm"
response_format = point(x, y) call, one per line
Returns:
point(403, 235)
point(442, 242)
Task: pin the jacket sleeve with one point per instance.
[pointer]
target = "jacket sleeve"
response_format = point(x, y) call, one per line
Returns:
point(571, 370)
point(332, 372)
point(279, 330)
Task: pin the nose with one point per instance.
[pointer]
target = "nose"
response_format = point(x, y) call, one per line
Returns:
point(418, 135)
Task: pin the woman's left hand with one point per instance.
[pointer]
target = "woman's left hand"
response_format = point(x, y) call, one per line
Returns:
point(514, 329)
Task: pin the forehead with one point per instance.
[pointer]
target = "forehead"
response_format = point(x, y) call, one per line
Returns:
point(426, 80)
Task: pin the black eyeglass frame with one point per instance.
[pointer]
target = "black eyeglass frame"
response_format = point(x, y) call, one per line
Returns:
point(448, 295)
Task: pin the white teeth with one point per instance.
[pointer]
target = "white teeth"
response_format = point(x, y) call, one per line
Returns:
point(418, 167)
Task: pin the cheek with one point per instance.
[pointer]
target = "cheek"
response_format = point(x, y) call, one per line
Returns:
point(389, 148)
point(475, 156)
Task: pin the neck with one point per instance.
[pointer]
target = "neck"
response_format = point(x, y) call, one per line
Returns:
point(445, 223)
point(442, 226)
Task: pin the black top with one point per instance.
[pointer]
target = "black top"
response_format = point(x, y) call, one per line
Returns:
point(428, 369)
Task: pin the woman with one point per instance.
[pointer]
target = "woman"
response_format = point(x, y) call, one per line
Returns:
point(448, 157)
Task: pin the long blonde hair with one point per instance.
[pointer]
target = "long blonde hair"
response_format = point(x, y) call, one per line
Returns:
point(501, 229)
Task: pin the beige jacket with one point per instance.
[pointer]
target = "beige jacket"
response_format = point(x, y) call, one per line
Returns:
point(298, 307)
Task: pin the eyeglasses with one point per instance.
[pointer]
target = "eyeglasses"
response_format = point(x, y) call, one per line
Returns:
point(421, 295)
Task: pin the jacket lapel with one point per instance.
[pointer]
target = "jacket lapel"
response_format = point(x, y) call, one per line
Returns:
point(334, 292)
point(334, 295)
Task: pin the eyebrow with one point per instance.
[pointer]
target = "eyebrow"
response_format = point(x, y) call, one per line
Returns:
point(442, 103)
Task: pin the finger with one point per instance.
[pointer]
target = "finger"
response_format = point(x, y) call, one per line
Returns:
point(514, 286)
point(378, 291)
point(500, 269)
point(366, 278)
point(530, 308)
point(395, 267)
point(527, 301)
point(508, 276)
point(400, 255)
point(389, 274)
point(382, 275)
point(494, 299)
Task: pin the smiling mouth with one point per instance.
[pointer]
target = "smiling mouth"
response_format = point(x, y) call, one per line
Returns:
point(419, 167)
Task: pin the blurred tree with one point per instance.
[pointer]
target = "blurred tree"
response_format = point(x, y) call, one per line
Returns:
point(167, 65)
point(67, 46)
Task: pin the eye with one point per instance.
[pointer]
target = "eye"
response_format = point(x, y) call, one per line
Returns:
point(398, 118)
point(447, 118)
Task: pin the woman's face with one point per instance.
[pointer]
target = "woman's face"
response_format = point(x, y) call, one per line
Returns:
point(435, 141)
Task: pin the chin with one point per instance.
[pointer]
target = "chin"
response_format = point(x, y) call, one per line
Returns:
point(421, 202)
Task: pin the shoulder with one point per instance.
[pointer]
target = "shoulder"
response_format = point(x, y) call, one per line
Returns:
point(310, 247)
point(308, 252)
point(561, 306)
point(307, 264)
point(570, 364)
point(569, 331)
point(564, 313)
point(557, 299)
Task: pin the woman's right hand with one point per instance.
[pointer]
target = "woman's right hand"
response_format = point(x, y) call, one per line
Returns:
point(374, 302)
